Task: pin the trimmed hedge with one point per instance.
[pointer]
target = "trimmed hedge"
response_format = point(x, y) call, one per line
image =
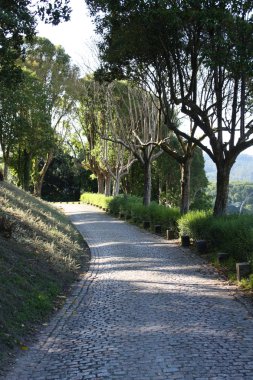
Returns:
point(98, 200)
point(231, 233)
point(132, 207)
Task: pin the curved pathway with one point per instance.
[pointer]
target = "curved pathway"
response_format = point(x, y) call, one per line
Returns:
point(147, 310)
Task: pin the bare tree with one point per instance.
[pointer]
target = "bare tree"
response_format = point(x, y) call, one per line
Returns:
point(118, 162)
point(134, 121)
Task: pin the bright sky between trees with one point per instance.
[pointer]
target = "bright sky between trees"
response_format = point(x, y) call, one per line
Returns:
point(77, 36)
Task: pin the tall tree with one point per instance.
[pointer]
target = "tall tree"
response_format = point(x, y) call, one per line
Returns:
point(53, 68)
point(134, 121)
point(24, 125)
point(90, 115)
point(201, 54)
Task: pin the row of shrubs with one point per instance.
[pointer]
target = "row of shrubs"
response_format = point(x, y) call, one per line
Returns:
point(232, 233)
point(131, 207)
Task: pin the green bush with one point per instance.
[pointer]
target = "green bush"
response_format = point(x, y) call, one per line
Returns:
point(231, 233)
point(195, 224)
point(98, 200)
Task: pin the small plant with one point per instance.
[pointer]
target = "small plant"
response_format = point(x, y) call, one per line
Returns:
point(247, 283)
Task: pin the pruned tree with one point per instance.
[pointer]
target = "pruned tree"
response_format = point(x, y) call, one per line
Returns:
point(118, 161)
point(134, 121)
point(108, 161)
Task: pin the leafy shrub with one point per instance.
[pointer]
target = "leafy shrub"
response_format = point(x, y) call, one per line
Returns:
point(231, 233)
point(195, 224)
point(98, 200)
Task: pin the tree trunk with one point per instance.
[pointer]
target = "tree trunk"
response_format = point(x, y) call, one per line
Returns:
point(108, 185)
point(160, 190)
point(6, 164)
point(26, 170)
point(185, 185)
point(6, 167)
point(116, 186)
point(147, 183)
point(40, 178)
point(222, 187)
point(101, 186)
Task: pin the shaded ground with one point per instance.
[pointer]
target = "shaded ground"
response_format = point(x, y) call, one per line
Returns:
point(147, 310)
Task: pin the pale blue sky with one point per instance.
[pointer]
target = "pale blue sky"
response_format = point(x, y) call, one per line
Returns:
point(77, 36)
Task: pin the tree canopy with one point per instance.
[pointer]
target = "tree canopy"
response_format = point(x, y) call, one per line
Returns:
point(197, 56)
point(18, 20)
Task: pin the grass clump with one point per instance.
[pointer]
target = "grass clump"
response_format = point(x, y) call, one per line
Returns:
point(247, 283)
point(38, 263)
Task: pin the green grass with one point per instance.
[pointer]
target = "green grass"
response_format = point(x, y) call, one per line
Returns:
point(37, 265)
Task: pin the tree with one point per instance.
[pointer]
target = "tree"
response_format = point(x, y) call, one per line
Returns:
point(106, 159)
point(23, 125)
point(168, 176)
point(52, 67)
point(35, 137)
point(200, 54)
point(135, 123)
point(90, 115)
point(118, 162)
point(18, 20)
point(63, 178)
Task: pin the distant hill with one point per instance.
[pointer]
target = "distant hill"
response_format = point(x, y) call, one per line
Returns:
point(241, 171)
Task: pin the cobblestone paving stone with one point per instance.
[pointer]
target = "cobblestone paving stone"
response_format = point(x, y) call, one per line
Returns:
point(147, 310)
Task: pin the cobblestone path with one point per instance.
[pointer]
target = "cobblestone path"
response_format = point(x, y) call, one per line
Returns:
point(147, 310)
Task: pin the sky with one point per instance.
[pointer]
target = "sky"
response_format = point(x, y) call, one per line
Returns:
point(77, 36)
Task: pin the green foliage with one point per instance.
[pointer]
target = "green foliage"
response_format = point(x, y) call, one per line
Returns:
point(18, 20)
point(62, 180)
point(34, 115)
point(131, 206)
point(231, 233)
point(194, 224)
point(247, 283)
point(98, 200)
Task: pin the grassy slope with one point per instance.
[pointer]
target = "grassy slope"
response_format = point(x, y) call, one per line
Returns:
point(37, 265)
